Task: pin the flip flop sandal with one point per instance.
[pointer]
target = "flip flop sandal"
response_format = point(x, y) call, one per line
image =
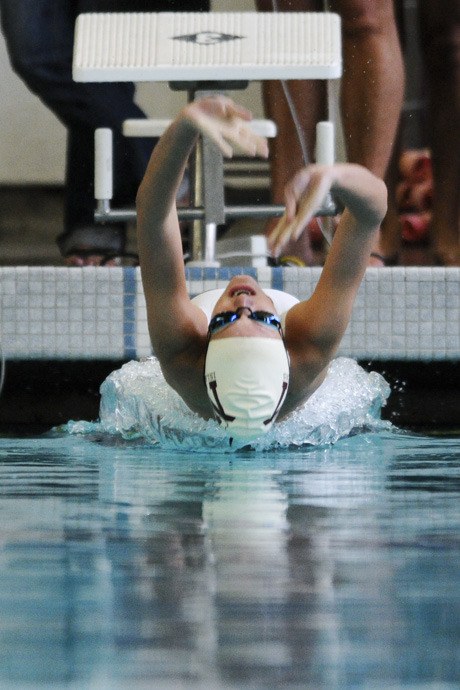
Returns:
point(386, 260)
point(92, 241)
point(125, 259)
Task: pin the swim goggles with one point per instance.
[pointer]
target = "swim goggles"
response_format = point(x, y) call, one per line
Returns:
point(225, 318)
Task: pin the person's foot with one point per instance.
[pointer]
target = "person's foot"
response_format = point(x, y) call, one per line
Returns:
point(86, 257)
point(377, 260)
point(446, 256)
point(308, 250)
point(93, 245)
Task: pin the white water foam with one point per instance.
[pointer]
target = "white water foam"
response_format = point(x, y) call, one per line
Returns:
point(137, 403)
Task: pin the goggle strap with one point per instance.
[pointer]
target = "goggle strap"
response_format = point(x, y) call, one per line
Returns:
point(219, 410)
point(277, 408)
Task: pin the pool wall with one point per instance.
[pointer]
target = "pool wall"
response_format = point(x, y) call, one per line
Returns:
point(63, 330)
point(58, 313)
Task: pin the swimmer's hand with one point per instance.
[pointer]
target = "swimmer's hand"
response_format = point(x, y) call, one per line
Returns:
point(353, 185)
point(304, 195)
point(227, 124)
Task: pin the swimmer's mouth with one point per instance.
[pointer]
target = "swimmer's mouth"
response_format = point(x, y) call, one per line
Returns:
point(241, 291)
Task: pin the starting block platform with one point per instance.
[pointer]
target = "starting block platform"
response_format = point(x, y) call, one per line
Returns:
point(200, 46)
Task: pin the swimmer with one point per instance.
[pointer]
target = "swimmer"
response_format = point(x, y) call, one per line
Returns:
point(239, 359)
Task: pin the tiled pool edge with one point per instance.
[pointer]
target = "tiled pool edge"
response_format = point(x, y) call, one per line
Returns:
point(59, 313)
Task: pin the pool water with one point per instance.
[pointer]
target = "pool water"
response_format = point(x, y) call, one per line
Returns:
point(125, 566)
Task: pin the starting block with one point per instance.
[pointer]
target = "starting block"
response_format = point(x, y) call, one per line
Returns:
point(203, 53)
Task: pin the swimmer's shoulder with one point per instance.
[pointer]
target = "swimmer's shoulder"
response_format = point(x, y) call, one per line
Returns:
point(183, 371)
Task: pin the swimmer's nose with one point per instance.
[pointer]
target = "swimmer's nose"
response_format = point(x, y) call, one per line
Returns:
point(244, 310)
point(243, 301)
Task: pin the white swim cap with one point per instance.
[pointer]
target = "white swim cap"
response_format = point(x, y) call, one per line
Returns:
point(246, 381)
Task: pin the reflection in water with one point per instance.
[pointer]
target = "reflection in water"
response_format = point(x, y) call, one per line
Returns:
point(330, 568)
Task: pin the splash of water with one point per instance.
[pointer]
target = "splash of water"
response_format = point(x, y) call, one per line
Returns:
point(137, 403)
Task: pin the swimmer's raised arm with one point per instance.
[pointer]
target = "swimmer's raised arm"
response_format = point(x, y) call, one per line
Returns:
point(359, 190)
point(173, 320)
point(220, 119)
point(320, 322)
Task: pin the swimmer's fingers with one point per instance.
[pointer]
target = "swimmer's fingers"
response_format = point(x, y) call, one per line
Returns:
point(227, 125)
point(207, 115)
point(304, 196)
point(233, 136)
point(216, 136)
point(284, 231)
point(242, 138)
point(232, 109)
point(222, 106)
point(230, 129)
point(308, 189)
point(279, 236)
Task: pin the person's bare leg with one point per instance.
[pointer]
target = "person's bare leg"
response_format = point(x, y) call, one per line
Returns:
point(286, 150)
point(440, 38)
point(371, 100)
point(372, 90)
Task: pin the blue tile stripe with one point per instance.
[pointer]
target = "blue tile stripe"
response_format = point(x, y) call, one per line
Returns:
point(199, 274)
point(129, 311)
point(277, 278)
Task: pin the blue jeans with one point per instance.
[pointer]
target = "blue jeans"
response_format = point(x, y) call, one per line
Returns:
point(39, 36)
